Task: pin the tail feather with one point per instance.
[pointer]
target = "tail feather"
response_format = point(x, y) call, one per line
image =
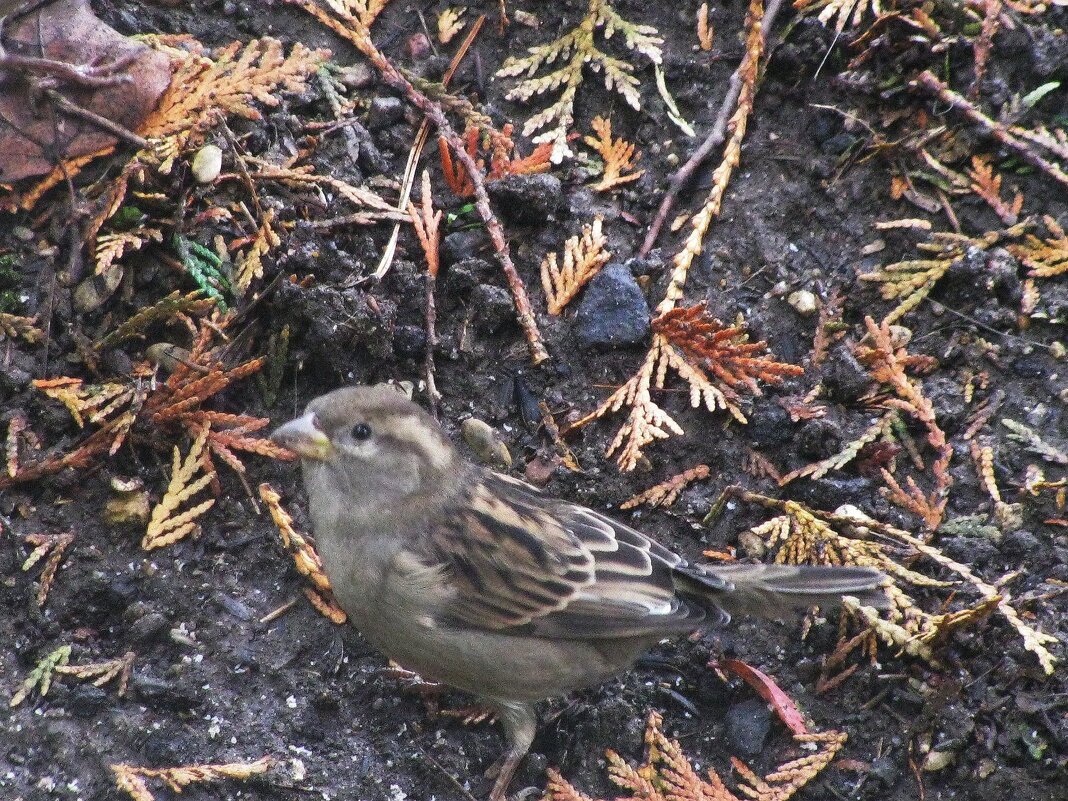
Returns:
point(774, 590)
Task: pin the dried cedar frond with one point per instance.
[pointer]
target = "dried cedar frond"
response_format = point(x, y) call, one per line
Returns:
point(848, 536)
point(620, 157)
point(1046, 257)
point(54, 546)
point(987, 185)
point(845, 12)
point(305, 557)
point(705, 30)
point(584, 256)
point(647, 421)
point(574, 50)
point(20, 438)
point(666, 492)
point(173, 305)
point(103, 672)
point(887, 364)
point(1034, 441)
point(131, 779)
point(11, 326)
point(850, 451)
point(725, 351)
point(909, 282)
point(668, 775)
point(40, 677)
point(829, 327)
point(165, 527)
point(373, 207)
point(450, 24)
point(504, 155)
point(151, 408)
point(96, 401)
point(231, 80)
point(249, 262)
point(366, 11)
point(112, 246)
point(427, 222)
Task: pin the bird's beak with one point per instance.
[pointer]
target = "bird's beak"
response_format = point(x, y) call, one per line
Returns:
point(304, 438)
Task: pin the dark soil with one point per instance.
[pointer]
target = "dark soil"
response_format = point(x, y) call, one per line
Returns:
point(211, 684)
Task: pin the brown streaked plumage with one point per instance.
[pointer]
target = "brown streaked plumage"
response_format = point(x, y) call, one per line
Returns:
point(482, 582)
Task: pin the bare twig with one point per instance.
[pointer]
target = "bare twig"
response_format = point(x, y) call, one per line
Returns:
point(715, 138)
point(421, 135)
point(426, 222)
point(351, 28)
point(928, 81)
point(74, 110)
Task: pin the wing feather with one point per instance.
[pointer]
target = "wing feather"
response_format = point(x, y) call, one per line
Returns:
point(556, 569)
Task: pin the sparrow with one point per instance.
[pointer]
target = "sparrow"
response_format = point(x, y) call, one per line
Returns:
point(482, 582)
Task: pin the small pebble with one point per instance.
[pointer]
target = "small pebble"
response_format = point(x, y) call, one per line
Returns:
point(384, 111)
point(539, 470)
point(166, 355)
point(207, 164)
point(748, 724)
point(94, 290)
point(804, 302)
point(129, 504)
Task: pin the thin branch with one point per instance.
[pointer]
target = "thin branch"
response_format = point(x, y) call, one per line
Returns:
point(929, 82)
point(352, 29)
point(715, 138)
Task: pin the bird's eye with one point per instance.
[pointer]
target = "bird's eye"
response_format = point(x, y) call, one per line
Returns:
point(361, 432)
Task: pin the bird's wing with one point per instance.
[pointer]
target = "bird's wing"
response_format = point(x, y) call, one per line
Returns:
point(518, 560)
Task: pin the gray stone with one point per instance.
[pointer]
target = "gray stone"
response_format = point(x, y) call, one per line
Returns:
point(384, 111)
point(526, 198)
point(748, 724)
point(613, 311)
point(493, 307)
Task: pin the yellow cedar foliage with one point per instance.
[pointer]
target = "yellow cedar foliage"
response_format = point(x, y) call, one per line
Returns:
point(584, 256)
point(111, 247)
point(11, 326)
point(231, 80)
point(165, 529)
point(846, 12)
point(668, 775)
point(54, 546)
point(131, 779)
point(666, 492)
point(1046, 257)
point(41, 676)
point(305, 557)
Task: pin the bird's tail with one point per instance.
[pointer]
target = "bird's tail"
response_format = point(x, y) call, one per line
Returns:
point(774, 590)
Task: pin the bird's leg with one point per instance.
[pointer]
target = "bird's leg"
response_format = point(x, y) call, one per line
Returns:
point(520, 724)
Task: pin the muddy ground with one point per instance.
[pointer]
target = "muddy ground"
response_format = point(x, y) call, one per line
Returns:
point(212, 684)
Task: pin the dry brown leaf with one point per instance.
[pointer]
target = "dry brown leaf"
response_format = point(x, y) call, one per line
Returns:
point(66, 31)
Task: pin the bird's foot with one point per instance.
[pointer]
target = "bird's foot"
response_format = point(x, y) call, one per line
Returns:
point(412, 682)
point(473, 714)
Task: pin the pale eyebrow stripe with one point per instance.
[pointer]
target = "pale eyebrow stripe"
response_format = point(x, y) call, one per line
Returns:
point(411, 430)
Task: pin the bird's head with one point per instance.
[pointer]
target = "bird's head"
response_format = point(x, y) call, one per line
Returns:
point(368, 452)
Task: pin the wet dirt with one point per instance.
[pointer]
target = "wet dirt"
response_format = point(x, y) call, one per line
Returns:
point(211, 683)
